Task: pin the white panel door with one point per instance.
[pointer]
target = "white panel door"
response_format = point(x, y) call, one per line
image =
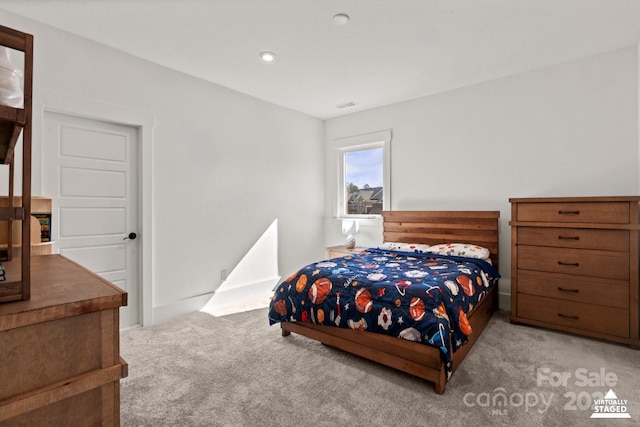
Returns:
point(90, 168)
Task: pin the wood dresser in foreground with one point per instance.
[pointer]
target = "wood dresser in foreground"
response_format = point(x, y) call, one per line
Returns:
point(60, 359)
point(574, 265)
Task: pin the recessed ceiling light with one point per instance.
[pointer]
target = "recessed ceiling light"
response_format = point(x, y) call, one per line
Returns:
point(340, 19)
point(267, 56)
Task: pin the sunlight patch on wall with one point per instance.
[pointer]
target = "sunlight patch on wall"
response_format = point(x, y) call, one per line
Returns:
point(250, 284)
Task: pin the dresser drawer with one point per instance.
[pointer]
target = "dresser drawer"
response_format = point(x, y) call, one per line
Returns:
point(580, 238)
point(606, 213)
point(589, 317)
point(605, 292)
point(580, 262)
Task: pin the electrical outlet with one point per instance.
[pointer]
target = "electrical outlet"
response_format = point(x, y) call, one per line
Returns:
point(223, 274)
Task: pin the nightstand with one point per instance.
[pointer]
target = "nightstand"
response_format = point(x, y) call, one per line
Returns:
point(341, 250)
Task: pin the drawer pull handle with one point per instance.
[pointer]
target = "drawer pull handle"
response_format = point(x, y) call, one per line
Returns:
point(570, 264)
point(568, 212)
point(564, 316)
point(569, 237)
point(568, 290)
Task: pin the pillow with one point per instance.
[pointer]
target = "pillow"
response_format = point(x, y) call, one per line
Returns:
point(460, 249)
point(404, 247)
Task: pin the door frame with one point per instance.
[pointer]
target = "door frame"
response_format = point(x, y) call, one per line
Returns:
point(56, 102)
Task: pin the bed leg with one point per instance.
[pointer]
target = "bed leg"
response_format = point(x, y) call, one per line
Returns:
point(442, 381)
point(285, 333)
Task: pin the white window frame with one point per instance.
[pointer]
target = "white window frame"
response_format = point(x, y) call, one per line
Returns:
point(357, 143)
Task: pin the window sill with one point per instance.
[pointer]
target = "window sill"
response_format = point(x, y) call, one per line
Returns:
point(363, 220)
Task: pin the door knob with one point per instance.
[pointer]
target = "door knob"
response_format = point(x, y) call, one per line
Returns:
point(131, 236)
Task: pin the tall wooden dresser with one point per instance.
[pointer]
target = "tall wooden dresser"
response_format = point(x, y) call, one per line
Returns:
point(60, 359)
point(574, 265)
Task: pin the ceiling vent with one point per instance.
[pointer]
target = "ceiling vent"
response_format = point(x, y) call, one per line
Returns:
point(347, 104)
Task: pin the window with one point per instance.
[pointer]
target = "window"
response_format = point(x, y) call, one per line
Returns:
point(364, 175)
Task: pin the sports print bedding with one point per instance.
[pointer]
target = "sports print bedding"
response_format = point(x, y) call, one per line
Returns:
point(422, 297)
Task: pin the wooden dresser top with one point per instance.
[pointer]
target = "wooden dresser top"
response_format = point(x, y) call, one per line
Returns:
point(576, 199)
point(60, 288)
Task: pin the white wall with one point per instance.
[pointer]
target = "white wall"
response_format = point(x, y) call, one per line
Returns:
point(225, 166)
point(566, 130)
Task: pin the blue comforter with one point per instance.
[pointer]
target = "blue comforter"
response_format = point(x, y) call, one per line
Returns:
point(416, 296)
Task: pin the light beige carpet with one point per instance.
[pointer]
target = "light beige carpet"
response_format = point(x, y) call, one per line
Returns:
point(236, 370)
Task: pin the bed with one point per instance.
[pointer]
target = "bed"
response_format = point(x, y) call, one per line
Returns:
point(433, 282)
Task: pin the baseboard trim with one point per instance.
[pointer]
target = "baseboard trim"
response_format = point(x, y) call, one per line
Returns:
point(241, 298)
point(504, 301)
point(177, 308)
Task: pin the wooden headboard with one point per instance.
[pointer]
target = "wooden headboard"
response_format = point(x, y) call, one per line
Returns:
point(433, 227)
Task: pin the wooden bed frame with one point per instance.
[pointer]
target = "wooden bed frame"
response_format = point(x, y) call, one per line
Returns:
point(430, 227)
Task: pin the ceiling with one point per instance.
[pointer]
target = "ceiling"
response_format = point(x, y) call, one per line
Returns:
point(390, 51)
